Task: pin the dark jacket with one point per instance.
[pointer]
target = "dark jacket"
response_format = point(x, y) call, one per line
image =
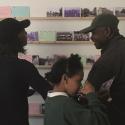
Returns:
point(16, 76)
point(110, 65)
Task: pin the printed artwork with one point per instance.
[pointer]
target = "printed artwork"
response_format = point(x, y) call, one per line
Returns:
point(88, 12)
point(5, 11)
point(120, 11)
point(72, 12)
point(54, 12)
point(101, 10)
point(20, 11)
point(32, 36)
point(64, 36)
point(78, 36)
point(47, 35)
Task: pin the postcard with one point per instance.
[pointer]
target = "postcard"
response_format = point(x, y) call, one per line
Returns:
point(120, 11)
point(72, 12)
point(21, 11)
point(5, 11)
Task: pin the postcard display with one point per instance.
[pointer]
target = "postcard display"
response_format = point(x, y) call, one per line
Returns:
point(61, 37)
point(49, 37)
point(73, 37)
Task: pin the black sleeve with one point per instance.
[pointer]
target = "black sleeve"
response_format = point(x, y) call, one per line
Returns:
point(106, 67)
point(37, 82)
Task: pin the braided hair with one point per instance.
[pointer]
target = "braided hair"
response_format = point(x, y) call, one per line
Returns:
point(69, 66)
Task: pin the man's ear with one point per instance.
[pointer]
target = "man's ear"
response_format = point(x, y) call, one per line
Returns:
point(108, 32)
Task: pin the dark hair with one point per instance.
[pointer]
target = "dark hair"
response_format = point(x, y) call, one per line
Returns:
point(114, 31)
point(12, 47)
point(69, 66)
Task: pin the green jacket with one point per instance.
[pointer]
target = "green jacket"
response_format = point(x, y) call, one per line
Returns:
point(63, 110)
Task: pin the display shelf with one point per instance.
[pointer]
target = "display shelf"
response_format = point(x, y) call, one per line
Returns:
point(121, 18)
point(57, 18)
point(49, 66)
point(36, 115)
point(42, 42)
point(61, 18)
point(74, 42)
point(61, 42)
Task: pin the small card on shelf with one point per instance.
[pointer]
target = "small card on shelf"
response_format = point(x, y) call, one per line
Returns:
point(35, 109)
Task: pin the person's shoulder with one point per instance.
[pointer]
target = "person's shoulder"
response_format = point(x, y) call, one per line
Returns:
point(120, 41)
point(120, 47)
point(25, 63)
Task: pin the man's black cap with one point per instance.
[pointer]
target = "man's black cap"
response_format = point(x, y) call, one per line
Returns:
point(102, 20)
point(10, 27)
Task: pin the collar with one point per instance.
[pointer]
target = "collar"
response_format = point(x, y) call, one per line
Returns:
point(53, 94)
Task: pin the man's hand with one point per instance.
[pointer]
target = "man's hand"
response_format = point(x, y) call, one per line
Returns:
point(88, 88)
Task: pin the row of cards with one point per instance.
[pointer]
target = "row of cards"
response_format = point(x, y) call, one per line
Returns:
point(84, 12)
point(56, 36)
point(14, 11)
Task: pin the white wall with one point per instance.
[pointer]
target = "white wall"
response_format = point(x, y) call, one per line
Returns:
point(38, 8)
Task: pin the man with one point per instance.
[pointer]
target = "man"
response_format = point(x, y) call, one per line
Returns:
point(111, 65)
point(16, 75)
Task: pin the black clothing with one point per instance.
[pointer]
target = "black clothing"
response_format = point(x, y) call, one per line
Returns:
point(110, 65)
point(16, 75)
point(30, 92)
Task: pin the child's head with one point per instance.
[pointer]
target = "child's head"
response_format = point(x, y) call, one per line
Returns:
point(66, 74)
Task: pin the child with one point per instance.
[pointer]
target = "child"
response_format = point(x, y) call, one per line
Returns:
point(60, 109)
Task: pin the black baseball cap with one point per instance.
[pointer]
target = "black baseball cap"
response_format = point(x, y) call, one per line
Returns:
point(102, 20)
point(10, 27)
